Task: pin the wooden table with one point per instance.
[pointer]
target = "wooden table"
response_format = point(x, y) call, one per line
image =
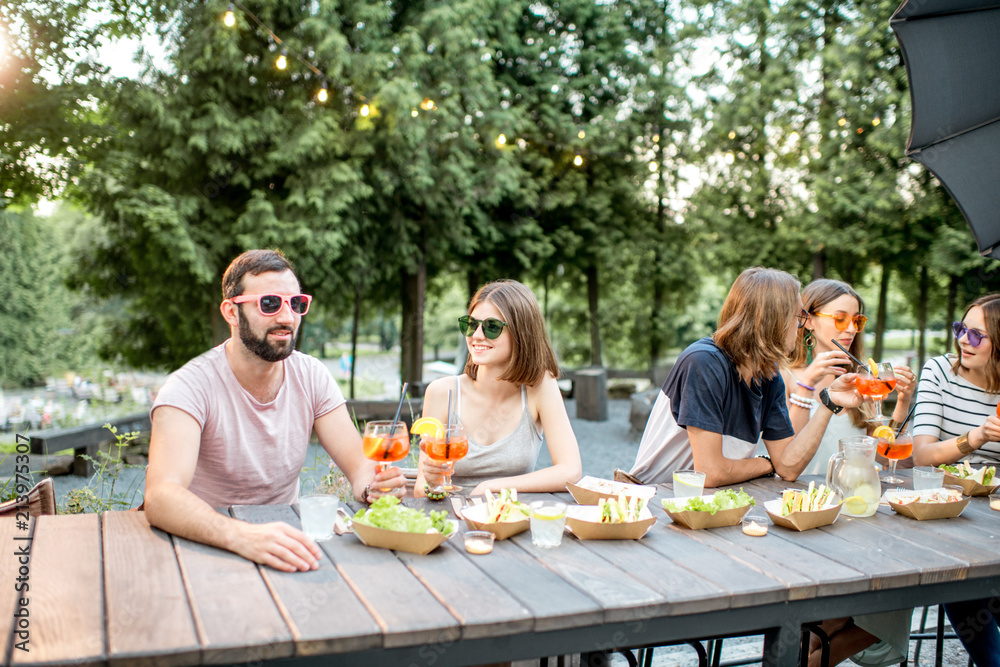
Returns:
point(112, 590)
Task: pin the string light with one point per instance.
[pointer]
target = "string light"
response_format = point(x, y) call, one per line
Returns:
point(860, 130)
point(876, 120)
point(322, 95)
point(842, 122)
point(653, 166)
point(732, 134)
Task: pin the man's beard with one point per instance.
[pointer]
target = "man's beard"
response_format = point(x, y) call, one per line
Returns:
point(260, 346)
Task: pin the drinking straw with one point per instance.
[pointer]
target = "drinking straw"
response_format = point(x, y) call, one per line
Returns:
point(392, 428)
point(902, 424)
point(856, 360)
point(447, 430)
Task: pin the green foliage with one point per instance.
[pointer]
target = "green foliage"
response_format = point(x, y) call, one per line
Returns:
point(712, 135)
point(100, 494)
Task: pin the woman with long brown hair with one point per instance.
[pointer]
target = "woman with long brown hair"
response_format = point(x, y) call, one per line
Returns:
point(956, 420)
point(725, 393)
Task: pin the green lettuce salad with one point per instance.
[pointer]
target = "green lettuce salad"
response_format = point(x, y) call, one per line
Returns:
point(726, 499)
point(388, 514)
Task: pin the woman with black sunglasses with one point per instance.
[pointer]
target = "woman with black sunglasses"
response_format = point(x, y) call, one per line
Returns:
point(956, 419)
point(506, 399)
point(836, 312)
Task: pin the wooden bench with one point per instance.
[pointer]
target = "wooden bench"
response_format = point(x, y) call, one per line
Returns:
point(85, 439)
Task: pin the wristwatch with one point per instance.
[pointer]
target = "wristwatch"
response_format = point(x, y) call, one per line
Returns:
point(963, 444)
point(824, 398)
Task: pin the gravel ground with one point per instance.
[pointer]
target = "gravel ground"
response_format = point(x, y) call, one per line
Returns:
point(604, 446)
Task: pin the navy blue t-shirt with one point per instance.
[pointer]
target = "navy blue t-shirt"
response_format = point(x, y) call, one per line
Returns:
point(704, 390)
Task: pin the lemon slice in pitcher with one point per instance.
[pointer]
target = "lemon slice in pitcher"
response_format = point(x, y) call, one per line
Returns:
point(428, 426)
point(855, 505)
point(884, 432)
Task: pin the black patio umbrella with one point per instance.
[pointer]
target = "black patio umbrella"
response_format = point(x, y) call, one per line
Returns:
point(951, 49)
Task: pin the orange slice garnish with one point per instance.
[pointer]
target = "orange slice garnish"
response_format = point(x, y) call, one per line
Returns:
point(884, 433)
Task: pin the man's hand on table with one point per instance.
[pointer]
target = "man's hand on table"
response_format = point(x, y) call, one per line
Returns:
point(276, 545)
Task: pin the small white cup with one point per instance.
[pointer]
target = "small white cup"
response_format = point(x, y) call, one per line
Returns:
point(318, 513)
point(927, 477)
point(548, 520)
point(688, 483)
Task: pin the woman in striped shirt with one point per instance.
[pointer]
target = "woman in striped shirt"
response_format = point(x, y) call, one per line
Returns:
point(957, 396)
point(956, 418)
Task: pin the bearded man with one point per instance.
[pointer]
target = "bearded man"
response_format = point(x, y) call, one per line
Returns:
point(231, 427)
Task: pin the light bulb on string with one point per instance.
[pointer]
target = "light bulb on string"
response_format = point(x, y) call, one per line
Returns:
point(578, 161)
point(229, 18)
point(876, 120)
point(581, 134)
point(414, 113)
point(427, 104)
point(323, 94)
point(842, 122)
point(366, 111)
point(502, 140)
point(653, 166)
point(282, 61)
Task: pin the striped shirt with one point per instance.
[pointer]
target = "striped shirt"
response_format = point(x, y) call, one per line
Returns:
point(949, 405)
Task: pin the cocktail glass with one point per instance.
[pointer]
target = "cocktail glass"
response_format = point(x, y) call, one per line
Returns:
point(384, 444)
point(452, 445)
point(876, 386)
point(900, 448)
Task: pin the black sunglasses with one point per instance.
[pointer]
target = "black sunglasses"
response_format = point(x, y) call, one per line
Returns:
point(975, 337)
point(492, 327)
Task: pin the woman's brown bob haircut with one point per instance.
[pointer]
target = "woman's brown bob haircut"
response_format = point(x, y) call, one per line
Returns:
point(991, 313)
point(531, 353)
point(755, 318)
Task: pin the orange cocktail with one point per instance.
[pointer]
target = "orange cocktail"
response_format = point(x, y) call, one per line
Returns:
point(446, 445)
point(385, 442)
point(446, 449)
point(894, 447)
point(875, 388)
point(390, 449)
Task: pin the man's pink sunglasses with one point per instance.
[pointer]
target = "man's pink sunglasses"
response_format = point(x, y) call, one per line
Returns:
point(270, 304)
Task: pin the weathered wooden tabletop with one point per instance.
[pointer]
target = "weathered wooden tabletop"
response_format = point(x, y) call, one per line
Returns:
point(112, 590)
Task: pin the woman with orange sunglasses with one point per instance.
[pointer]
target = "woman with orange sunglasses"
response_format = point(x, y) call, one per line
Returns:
point(836, 312)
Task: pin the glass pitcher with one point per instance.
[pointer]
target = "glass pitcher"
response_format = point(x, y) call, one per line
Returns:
point(852, 473)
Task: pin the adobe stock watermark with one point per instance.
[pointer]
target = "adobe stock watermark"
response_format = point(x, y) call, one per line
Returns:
point(21, 547)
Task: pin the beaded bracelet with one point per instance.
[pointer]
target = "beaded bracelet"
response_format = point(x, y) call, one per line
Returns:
point(805, 386)
point(801, 401)
point(434, 495)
